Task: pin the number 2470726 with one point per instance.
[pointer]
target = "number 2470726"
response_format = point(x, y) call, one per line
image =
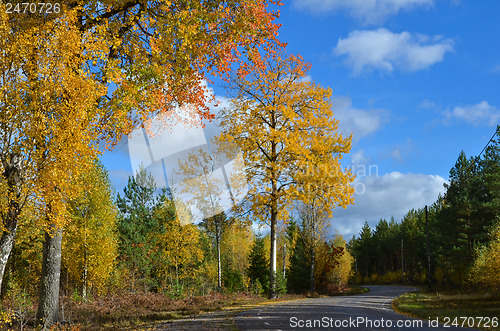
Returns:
point(33, 7)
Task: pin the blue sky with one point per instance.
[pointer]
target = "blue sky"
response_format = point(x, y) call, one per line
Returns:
point(416, 81)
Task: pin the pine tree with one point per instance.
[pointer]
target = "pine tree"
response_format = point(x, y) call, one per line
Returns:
point(299, 276)
point(258, 264)
point(136, 225)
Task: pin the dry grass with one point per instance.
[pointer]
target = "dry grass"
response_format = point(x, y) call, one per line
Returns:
point(140, 310)
point(137, 309)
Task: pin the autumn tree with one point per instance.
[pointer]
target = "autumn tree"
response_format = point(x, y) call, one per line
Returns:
point(50, 129)
point(178, 246)
point(284, 126)
point(47, 112)
point(58, 69)
point(201, 177)
point(342, 272)
point(315, 224)
point(328, 257)
point(91, 240)
point(486, 267)
point(236, 245)
point(312, 264)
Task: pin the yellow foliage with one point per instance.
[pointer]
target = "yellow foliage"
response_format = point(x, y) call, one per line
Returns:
point(486, 268)
point(178, 246)
point(47, 113)
point(90, 240)
point(236, 244)
point(56, 69)
point(284, 125)
point(343, 271)
point(7, 317)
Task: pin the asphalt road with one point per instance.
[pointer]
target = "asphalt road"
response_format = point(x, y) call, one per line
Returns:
point(368, 311)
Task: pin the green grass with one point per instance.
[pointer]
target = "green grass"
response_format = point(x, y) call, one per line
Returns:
point(446, 306)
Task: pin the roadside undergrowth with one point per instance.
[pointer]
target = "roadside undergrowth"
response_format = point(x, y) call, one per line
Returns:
point(452, 308)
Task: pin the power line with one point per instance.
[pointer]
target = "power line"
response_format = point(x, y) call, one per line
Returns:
point(491, 139)
point(476, 159)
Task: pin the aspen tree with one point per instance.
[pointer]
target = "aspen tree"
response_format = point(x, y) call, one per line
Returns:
point(284, 125)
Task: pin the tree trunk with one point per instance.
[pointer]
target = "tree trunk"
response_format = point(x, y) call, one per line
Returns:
point(314, 238)
point(6, 244)
point(48, 306)
point(272, 262)
point(85, 261)
point(313, 262)
point(219, 265)
point(12, 175)
point(85, 272)
point(284, 261)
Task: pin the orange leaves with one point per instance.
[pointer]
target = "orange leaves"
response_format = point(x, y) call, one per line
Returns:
point(156, 54)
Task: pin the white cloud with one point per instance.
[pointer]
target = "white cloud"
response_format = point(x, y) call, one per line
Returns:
point(401, 152)
point(392, 194)
point(427, 104)
point(368, 11)
point(384, 50)
point(359, 157)
point(480, 114)
point(396, 154)
point(357, 121)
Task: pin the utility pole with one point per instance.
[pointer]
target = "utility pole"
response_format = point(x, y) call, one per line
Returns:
point(356, 274)
point(402, 264)
point(429, 280)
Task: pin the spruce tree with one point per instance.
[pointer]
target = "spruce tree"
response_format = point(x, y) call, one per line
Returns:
point(259, 266)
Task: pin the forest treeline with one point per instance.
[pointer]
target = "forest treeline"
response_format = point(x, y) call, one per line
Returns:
point(134, 242)
point(463, 233)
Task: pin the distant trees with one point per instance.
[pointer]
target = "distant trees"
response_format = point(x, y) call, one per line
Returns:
point(314, 268)
point(236, 245)
point(315, 223)
point(156, 251)
point(343, 269)
point(463, 231)
point(486, 267)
